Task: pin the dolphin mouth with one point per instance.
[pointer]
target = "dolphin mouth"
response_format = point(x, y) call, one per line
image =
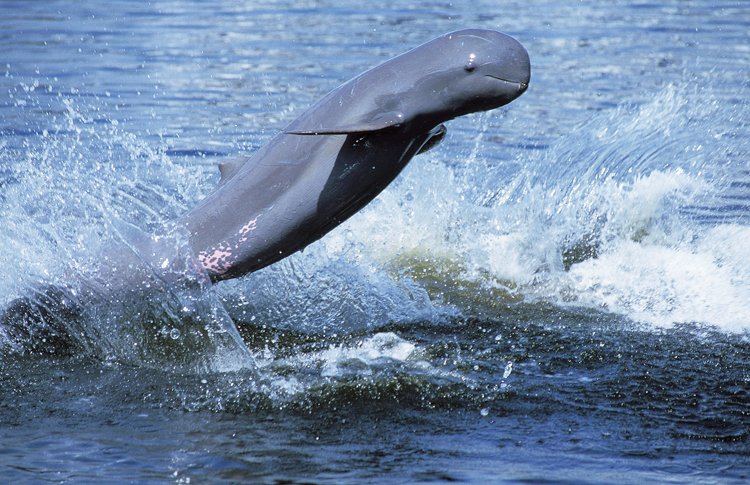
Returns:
point(524, 84)
point(521, 84)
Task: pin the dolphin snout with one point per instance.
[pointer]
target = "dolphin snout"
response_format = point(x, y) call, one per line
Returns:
point(517, 67)
point(510, 62)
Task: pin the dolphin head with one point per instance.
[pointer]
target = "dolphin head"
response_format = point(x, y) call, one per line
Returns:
point(456, 74)
point(467, 71)
point(492, 69)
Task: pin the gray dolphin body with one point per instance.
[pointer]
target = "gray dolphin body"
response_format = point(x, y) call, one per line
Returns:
point(326, 165)
point(345, 149)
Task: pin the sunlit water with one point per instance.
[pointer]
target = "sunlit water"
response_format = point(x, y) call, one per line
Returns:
point(559, 291)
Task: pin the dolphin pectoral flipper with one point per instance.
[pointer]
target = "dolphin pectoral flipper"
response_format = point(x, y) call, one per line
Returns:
point(381, 121)
point(436, 136)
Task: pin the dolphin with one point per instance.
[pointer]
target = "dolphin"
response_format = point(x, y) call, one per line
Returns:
point(321, 169)
point(346, 148)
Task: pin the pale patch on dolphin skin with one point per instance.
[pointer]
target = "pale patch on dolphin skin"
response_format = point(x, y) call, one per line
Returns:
point(247, 229)
point(219, 260)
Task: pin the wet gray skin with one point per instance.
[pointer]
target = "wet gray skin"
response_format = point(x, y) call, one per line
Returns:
point(345, 149)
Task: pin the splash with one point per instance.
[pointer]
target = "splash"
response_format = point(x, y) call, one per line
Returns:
point(704, 282)
point(633, 213)
point(81, 197)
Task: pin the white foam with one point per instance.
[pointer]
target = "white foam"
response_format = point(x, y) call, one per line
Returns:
point(362, 358)
point(366, 354)
point(667, 285)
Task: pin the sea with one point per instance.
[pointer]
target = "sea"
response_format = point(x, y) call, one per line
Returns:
point(559, 292)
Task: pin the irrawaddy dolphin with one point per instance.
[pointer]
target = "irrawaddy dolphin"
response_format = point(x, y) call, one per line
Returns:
point(325, 166)
point(345, 149)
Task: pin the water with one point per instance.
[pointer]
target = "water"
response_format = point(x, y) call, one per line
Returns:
point(558, 292)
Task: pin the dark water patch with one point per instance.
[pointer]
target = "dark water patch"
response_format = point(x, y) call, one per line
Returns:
point(606, 404)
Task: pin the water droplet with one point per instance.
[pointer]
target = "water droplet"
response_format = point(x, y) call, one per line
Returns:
point(174, 333)
point(508, 370)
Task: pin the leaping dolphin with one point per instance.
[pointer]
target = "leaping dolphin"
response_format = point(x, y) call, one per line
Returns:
point(345, 149)
point(325, 166)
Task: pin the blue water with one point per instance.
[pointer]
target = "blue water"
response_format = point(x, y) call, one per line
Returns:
point(559, 292)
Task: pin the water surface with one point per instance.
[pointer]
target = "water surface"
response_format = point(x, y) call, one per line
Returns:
point(558, 292)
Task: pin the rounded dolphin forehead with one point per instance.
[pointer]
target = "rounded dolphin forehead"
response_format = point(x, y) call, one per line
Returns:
point(479, 46)
point(454, 50)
